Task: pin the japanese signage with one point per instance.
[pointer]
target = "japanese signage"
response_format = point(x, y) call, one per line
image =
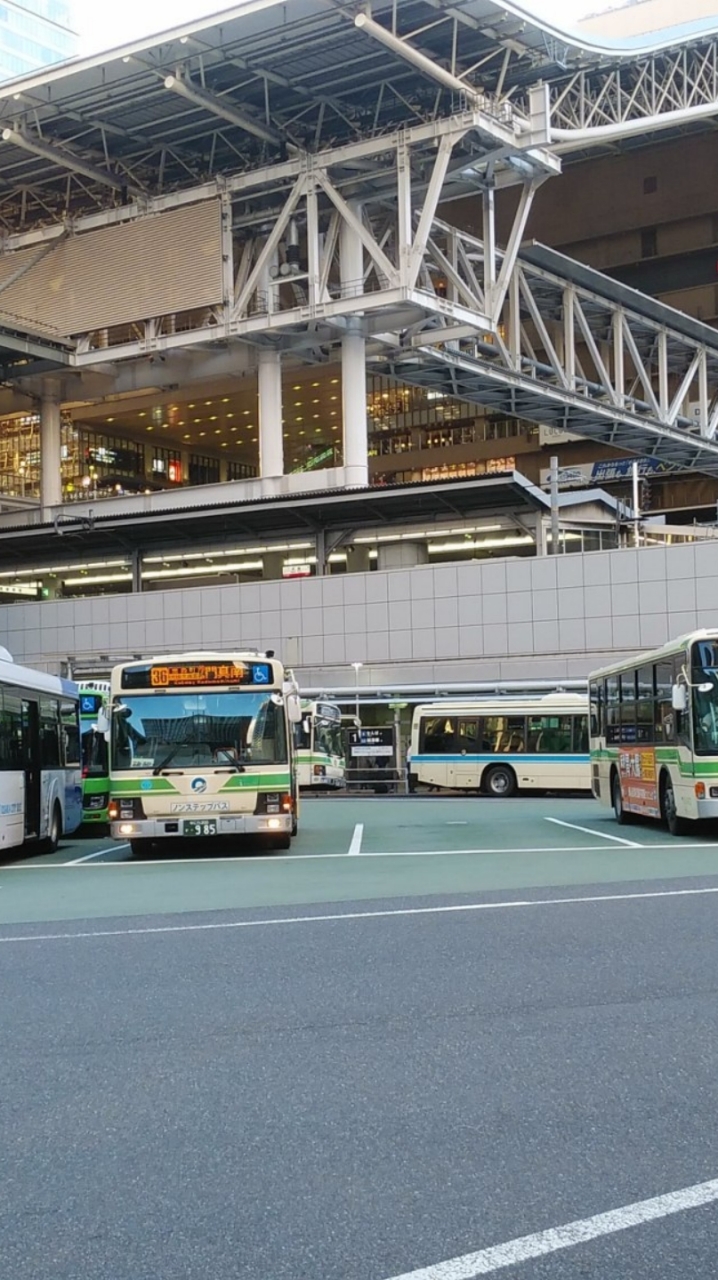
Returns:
point(639, 780)
point(371, 742)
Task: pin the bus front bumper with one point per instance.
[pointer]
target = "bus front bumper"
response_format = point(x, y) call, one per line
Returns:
point(241, 824)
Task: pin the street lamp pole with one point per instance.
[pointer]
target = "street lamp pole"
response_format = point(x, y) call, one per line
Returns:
point(357, 668)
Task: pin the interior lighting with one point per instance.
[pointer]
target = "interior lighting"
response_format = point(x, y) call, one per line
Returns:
point(479, 544)
point(98, 578)
point(206, 570)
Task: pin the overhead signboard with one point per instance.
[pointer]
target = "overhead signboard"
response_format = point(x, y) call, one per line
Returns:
point(611, 470)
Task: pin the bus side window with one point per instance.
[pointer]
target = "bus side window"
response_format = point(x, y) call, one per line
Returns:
point(468, 737)
point(70, 733)
point(664, 715)
point(49, 734)
point(438, 735)
point(612, 710)
point(580, 734)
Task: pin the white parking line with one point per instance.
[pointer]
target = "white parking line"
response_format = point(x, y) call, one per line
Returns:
point(218, 926)
point(510, 1254)
point(128, 865)
point(355, 846)
point(89, 857)
point(603, 835)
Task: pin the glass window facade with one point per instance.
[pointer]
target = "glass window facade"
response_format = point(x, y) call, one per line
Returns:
point(34, 34)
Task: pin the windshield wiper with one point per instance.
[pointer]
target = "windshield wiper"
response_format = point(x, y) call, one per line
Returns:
point(223, 751)
point(170, 755)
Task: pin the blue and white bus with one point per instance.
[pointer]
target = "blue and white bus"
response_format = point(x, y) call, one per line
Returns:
point(502, 745)
point(40, 769)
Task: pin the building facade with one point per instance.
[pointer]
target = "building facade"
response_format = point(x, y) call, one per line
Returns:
point(35, 34)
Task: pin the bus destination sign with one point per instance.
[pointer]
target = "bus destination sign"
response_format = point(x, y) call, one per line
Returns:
point(196, 675)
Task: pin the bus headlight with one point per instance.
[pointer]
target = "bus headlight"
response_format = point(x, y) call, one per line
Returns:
point(273, 824)
point(126, 828)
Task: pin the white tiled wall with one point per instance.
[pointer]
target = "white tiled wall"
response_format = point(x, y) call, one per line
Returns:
point(504, 619)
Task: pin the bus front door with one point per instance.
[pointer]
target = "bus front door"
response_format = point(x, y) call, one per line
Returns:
point(31, 753)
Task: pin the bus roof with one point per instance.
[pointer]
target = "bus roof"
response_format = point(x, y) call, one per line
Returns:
point(548, 701)
point(654, 655)
point(39, 681)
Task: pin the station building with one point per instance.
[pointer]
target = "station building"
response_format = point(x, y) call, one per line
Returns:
point(295, 312)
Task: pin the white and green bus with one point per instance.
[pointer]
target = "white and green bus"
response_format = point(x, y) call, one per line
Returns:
point(654, 733)
point(502, 745)
point(201, 746)
point(321, 763)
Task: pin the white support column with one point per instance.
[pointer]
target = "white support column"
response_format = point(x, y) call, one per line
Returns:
point(356, 450)
point(50, 446)
point(271, 437)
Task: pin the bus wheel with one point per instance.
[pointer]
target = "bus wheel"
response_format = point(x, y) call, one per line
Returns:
point(499, 781)
point(676, 825)
point(53, 835)
point(621, 815)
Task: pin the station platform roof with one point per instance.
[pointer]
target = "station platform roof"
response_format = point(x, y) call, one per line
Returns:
point(263, 81)
point(333, 511)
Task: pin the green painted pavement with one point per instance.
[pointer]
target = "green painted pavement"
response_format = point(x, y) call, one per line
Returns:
point(41, 890)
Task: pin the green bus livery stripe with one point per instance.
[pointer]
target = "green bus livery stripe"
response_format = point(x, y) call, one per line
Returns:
point(256, 782)
point(238, 782)
point(665, 755)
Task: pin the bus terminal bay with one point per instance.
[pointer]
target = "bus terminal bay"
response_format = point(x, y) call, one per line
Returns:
point(359, 650)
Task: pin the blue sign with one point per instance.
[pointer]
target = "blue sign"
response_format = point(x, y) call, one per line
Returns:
point(261, 673)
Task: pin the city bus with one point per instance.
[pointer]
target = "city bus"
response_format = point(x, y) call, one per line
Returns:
point(40, 772)
point(94, 697)
point(201, 746)
point(321, 761)
point(654, 733)
point(502, 745)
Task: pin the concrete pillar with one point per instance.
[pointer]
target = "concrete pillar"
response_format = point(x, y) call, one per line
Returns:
point(402, 555)
point(358, 559)
point(136, 570)
point(50, 445)
point(356, 454)
point(541, 539)
point(271, 439)
point(273, 564)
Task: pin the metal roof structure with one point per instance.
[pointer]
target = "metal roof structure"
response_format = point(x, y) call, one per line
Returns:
point(263, 81)
point(272, 128)
point(276, 518)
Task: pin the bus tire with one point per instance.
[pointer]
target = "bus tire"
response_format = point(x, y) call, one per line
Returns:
point(619, 812)
point(676, 825)
point(499, 781)
point(55, 831)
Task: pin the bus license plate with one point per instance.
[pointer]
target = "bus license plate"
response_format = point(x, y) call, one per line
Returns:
point(204, 827)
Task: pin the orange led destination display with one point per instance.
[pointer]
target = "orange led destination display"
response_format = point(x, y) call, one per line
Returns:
point(195, 675)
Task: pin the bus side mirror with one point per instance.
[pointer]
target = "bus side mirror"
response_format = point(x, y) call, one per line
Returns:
point(103, 723)
point(306, 724)
point(294, 708)
point(679, 699)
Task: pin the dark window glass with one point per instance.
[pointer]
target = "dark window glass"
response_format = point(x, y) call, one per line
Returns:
point(580, 734)
point(467, 739)
point(70, 734)
point(613, 710)
point(596, 702)
point(503, 734)
point(665, 716)
point(644, 704)
point(627, 684)
point(438, 735)
point(549, 735)
point(49, 733)
point(11, 734)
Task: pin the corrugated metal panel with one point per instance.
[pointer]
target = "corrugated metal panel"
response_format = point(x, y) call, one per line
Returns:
point(151, 267)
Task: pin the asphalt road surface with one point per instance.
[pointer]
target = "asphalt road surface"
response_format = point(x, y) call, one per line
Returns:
point(361, 1065)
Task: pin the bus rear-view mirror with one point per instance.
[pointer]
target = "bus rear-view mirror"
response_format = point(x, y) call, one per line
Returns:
point(678, 698)
point(294, 708)
point(103, 723)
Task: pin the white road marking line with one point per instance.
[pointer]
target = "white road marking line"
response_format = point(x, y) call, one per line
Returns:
point(603, 835)
point(239, 860)
point(355, 846)
point(359, 915)
point(457, 822)
point(510, 1254)
point(88, 857)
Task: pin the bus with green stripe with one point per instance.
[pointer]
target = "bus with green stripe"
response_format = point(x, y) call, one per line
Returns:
point(654, 733)
point(201, 746)
point(94, 696)
point(321, 761)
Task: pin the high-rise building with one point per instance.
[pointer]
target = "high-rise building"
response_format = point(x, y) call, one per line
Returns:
point(34, 34)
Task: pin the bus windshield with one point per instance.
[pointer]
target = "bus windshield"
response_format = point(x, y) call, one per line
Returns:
point(186, 730)
point(328, 738)
point(704, 678)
